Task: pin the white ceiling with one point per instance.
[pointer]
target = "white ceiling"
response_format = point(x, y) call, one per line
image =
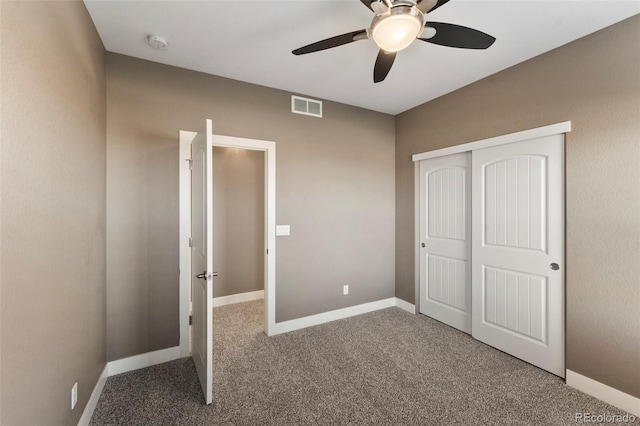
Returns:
point(252, 41)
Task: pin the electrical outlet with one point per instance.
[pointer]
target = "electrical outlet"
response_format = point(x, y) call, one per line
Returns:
point(74, 395)
point(345, 289)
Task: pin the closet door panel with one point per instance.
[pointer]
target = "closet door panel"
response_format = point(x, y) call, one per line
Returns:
point(518, 250)
point(445, 244)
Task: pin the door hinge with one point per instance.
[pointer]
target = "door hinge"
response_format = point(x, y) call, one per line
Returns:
point(190, 242)
point(190, 161)
point(190, 319)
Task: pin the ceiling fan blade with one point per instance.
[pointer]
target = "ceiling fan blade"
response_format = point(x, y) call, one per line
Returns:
point(458, 36)
point(426, 6)
point(377, 6)
point(368, 3)
point(332, 42)
point(383, 65)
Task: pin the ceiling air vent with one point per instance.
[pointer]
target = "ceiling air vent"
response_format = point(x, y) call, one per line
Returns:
point(306, 106)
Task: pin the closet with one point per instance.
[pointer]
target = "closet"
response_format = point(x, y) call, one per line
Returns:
point(491, 242)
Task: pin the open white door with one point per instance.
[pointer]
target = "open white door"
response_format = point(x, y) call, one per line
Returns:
point(518, 250)
point(202, 257)
point(445, 239)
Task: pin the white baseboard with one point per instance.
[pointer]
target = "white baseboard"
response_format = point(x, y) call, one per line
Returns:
point(95, 396)
point(409, 307)
point(238, 298)
point(143, 360)
point(311, 320)
point(165, 355)
point(617, 398)
point(122, 366)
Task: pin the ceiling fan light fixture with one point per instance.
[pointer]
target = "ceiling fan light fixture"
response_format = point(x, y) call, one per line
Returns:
point(395, 31)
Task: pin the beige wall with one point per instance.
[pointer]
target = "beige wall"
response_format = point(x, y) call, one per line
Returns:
point(595, 83)
point(52, 180)
point(238, 220)
point(335, 186)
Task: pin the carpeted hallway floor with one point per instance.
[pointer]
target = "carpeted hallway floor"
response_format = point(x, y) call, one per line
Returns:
point(383, 368)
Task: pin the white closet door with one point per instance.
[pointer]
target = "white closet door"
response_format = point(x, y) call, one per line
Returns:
point(445, 281)
point(518, 250)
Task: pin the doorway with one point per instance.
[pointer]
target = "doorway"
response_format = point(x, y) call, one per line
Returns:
point(268, 149)
point(490, 242)
point(238, 225)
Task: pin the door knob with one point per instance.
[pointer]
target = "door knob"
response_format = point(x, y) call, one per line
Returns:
point(554, 266)
point(422, 245)
point(205, 276)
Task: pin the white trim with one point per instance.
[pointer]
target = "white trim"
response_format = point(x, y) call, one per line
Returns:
point(617, 398)
point(311, 320)
point(538, 132)
point(148, 359)
point(238, 298)
point(183, 240)
point(85, 419)
point(409, 307)
point(269, 149)
point(416, 233)
point(124, 365)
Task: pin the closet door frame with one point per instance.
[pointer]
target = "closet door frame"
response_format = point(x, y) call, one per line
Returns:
point(563, 127)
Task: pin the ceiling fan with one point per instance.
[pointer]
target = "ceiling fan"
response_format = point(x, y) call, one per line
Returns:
point(396, 25)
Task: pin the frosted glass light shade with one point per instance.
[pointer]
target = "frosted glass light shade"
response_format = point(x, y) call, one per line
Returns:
point(395, 32)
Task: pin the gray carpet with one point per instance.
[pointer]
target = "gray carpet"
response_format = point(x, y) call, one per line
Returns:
point(383, 368)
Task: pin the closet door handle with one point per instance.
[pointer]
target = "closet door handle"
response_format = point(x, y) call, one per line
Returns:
point(554, 266)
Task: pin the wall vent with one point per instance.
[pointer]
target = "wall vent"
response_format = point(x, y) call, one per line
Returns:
point(306, 106)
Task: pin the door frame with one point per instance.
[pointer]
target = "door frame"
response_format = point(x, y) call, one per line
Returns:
point(269, 149)
point(538, 132)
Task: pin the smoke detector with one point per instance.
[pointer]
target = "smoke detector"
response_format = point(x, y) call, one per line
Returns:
point(157, 42)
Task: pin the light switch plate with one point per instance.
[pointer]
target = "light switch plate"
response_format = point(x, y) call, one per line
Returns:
point(283, 230)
